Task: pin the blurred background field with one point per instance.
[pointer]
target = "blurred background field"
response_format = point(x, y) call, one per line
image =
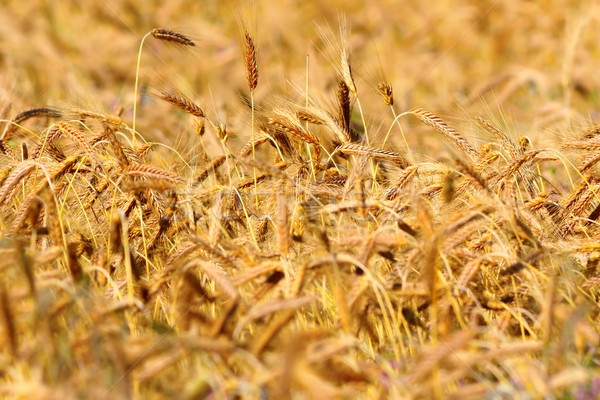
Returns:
point(526, 64)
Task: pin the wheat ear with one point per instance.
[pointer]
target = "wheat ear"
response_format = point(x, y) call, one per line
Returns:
point(288, 123)
point(170, 36)
point(15, 176)
point(386, 92)
point(151, 172)
point(441, 126)
point(183, 103)
point(250, 59)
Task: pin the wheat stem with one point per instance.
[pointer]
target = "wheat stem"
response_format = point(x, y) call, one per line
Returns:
point(135, 91)
point(306, 88)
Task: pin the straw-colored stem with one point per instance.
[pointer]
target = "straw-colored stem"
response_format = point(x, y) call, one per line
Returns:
point(312, 166)
point(387, 135)
point(137, 78)
point(253, 148)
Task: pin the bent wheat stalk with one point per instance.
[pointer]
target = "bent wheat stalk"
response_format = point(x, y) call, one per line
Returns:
point(163, 34)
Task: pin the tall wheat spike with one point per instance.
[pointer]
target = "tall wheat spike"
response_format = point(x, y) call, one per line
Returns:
point(250, 59)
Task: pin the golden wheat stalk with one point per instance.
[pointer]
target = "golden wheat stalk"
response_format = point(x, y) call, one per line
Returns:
point(346, 70)
point(283, 223)
point(253, 273)
point(386, 92)
point(10, 326)
point(220, 279)
point(143, 150)
point(77, 137)
point(30, 210)
point(485, 161)
point(251, 181)
point(467, 169)
point(506, 142)
point(328, 189)
point(379, 154)
point(53, 221)
point(183, 250)
point(276, 170)
point(191, 279)
point(271, 307)
point(441, 126)
point(401, 182)
point(577, 202)
point(582, 144)
point(119, 150)
point(28, 114)
point(150, 172)
point(359, 287)
point(592, 283)
point(434, 356)
point(52, 134)
point(351, 205)
point(344, 104)
point(108, 119)
point(10, 152)
point(468, 273)
point(589, 162)
point(338, 130)
point(309, 117)
point(210, 168)
point(516, 164)
point(18, 173)
point(268, 333)
point(250, 59)
point(214, 252)
point(287, 122)
point(252, 144)
point(158, 185)
point(182, 102)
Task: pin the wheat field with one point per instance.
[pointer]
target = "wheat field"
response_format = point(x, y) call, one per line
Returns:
point(328, 200)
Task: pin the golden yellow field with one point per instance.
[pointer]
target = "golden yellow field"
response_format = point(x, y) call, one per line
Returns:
point(300, 199)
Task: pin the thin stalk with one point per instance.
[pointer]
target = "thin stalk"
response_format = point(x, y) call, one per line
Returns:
point(312, 167)
point(387, 135)
point(253, 148)
point(137, 78)
point(372, 162)
point(362, 117)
